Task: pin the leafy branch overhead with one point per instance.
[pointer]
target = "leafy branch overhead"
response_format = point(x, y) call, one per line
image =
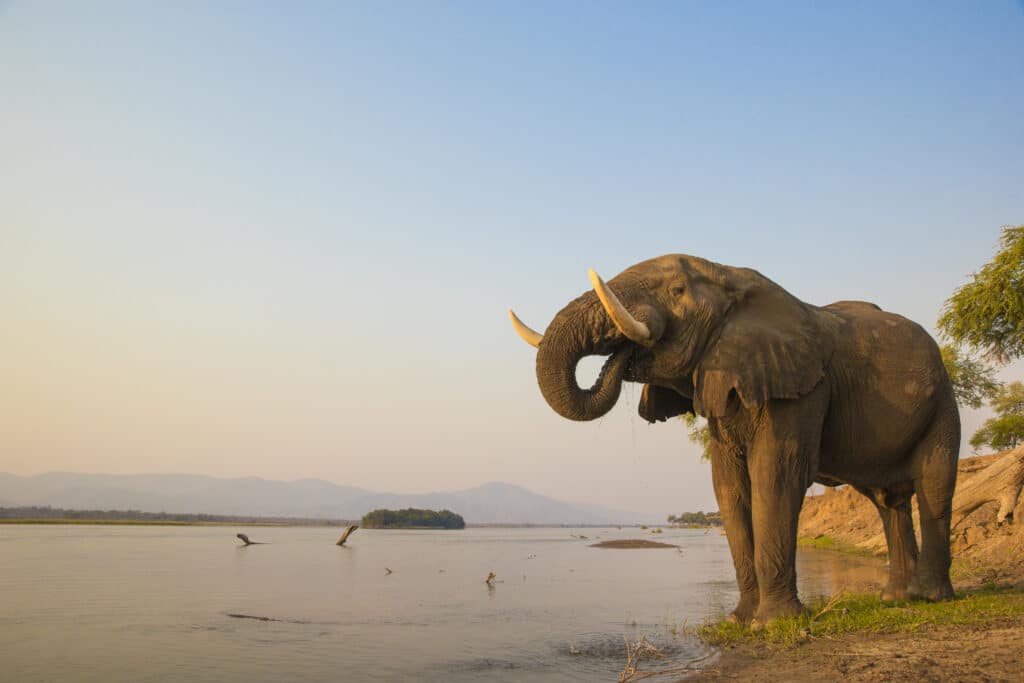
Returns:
point(974, 382)
point(699, 433)
point(1006, 429)
point(987, 313)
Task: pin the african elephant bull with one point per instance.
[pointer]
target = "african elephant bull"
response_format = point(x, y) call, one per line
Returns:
point(793, 394)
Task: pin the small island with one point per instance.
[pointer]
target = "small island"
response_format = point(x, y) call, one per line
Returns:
point(413, 518)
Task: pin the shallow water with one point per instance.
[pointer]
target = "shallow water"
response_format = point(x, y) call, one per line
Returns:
point(84, 603)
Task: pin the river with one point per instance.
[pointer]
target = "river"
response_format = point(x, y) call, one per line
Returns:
point(150, 603)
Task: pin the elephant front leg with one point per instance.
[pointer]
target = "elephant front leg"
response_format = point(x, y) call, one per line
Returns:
point(782, 462)
point(732, 491)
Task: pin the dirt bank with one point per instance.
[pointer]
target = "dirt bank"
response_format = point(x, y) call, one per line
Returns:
point(983, 551)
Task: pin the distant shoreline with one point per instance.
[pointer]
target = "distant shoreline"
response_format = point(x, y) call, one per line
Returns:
point(140, 522)
point(277, 523)
point(52, 515)
point(312, 523)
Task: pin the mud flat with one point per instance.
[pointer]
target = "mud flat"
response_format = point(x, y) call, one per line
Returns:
point(632, 544)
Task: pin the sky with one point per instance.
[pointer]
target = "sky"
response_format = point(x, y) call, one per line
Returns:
point(280, 239)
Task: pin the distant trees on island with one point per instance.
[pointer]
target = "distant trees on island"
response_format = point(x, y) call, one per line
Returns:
point(696, 519)
point(412, 518)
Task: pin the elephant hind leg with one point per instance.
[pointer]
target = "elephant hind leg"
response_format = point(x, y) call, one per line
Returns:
point(893, 505)
point(936, 456)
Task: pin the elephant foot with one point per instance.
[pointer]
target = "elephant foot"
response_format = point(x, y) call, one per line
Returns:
point(744, 609)
point(767, 613)
point(743, 613)
point(934, 592)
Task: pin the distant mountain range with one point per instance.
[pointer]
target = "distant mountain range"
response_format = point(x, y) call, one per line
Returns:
point(491, 503)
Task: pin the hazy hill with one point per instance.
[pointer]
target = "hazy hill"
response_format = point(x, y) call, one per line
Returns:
point(492, 503)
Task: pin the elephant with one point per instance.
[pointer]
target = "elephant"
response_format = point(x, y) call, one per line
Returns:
point(793, 394)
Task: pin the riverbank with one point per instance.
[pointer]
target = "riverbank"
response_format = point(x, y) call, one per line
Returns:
point(992, 650)
point(978, 636)
point(985, 551)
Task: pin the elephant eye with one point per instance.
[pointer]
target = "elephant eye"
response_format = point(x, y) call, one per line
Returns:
point(678, 290)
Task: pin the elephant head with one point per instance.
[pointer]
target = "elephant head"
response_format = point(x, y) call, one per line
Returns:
point(701, 336)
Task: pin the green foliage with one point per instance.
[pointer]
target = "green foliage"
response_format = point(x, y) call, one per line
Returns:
point(849, 613)
point(825, 542)
point(700, 518)
point(974, 382)
point(1006, 429)
point(987, 313)
point(699, 433)
point(412, 518)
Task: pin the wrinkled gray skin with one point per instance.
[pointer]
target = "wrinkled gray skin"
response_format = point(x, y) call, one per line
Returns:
point(793, 394)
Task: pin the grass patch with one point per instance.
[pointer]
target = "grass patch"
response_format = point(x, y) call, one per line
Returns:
point(850, 613)
point(825, 542)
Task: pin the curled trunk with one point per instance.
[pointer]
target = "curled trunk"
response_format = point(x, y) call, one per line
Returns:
point(581, 329)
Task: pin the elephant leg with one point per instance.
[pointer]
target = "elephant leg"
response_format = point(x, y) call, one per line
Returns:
point(902, 545)
point(937, 456)
point(893, 505)
point(782, 463)
point(732, 491)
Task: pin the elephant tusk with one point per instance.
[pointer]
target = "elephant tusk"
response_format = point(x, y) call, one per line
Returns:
point(634, 330)
point(530, 336)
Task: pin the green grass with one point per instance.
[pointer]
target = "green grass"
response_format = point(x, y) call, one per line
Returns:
point(850, 613)
point(828, 543)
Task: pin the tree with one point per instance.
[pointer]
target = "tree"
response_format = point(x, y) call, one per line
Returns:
point(412, 518)
point(987, 313)
point(699, 518)
point(974, 382)
point(1006, 429)
point(699, 433)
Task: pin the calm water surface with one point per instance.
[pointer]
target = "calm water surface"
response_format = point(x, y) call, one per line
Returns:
point(101, 603)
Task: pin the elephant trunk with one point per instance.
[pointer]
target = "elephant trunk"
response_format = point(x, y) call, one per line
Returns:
point(581, 329)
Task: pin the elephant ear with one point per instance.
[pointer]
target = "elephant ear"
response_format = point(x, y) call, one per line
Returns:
point(772, 346)
point(657, 404)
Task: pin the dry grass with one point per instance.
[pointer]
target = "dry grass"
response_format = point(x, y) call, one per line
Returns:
point(642, 649)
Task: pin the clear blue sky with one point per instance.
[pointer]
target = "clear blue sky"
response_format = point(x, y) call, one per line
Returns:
point(279, 239)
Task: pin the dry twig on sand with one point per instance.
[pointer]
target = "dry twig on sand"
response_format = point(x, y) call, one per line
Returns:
point(643, 648)
point(830, 605)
